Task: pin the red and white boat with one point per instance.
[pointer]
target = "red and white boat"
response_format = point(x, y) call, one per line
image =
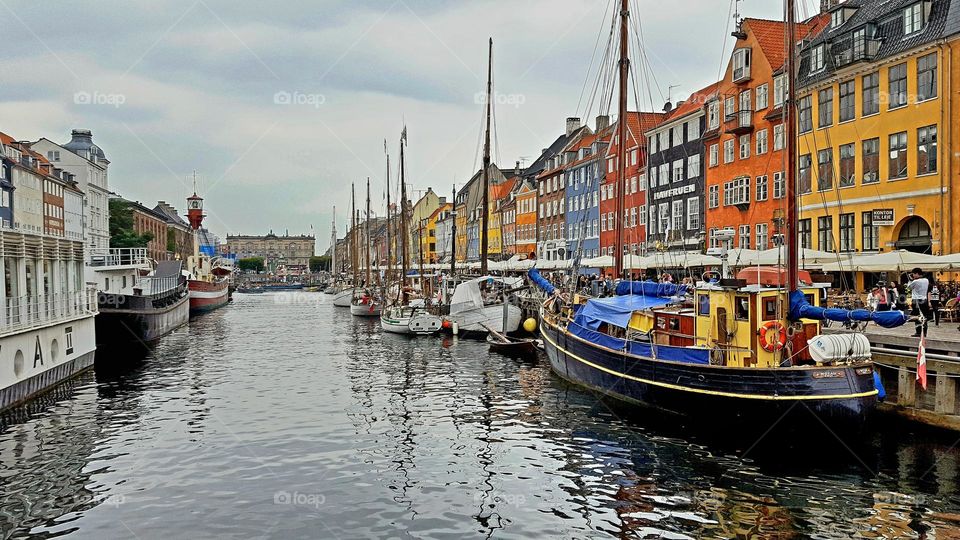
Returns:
point(207, 282)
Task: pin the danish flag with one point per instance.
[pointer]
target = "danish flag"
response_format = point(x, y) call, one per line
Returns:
point(922, 362)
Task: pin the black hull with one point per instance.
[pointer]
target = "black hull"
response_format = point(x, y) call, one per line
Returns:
point(125, 327)
point(840, 398)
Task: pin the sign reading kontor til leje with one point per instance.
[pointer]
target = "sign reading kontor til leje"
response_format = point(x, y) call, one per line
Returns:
point(883, 216)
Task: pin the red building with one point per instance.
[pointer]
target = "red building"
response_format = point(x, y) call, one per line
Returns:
point(635, 196)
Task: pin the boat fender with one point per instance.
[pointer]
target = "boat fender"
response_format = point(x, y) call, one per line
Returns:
point(771, 345)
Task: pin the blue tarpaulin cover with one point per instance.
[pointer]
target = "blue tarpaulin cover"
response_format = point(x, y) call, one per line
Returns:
point(615, 310)
point(801, 309)
point(650, 288)
point(689, 355)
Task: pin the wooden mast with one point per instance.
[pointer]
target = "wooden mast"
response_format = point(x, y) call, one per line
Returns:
point(453, 234)
point(402, 235)
point(389, 246)
point(789, 120)
point(353, 237)
point(621, 136)
point(367, 238)
point(485, 229)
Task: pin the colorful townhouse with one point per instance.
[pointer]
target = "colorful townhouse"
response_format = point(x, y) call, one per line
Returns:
point(676, 184)
point(6, 184)
point(744, 135)
point(525, 226)
point(878, 164)
point(498, 247)
point(428, 239)
point(583, 176)
point(551, 188)
point(634, 189)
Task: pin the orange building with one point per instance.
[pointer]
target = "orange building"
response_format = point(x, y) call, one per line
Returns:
point(526, 222)
point(744, 139)
point(499, 201)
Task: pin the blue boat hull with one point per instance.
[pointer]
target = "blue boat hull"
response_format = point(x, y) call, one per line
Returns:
point(839, 397)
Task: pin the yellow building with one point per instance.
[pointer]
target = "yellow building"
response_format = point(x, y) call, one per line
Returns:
point(419, 212)
point(428, 241)
point(876, 163)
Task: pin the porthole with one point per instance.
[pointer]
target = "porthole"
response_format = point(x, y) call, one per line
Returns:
point(54, 351)
point(18, 364)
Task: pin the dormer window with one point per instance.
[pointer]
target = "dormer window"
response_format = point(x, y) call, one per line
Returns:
point(741, 65)
point(837, 19)
point(816, 58)
point(914, 18)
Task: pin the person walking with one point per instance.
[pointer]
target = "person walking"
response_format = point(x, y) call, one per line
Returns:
point(919, 288)
point(935, 303)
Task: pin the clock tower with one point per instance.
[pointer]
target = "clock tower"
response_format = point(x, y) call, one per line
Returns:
point(195, 211)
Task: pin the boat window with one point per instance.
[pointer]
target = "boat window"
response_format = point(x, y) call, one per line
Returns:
point(675, 324)
point(770, 309)
point(703, 301)
point(742, 310)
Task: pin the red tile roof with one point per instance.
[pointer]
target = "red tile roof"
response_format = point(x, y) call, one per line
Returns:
point(771, 35)
point(637, 124)
point(693, 103)
point(503, 189)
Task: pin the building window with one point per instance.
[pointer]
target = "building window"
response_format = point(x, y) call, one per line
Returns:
point(805, 118)
point(762, 236)
point(898, 155)
point(728, 151)
point(848, 100)
point(763, 97)
point(871, 94)
point(730, 107)
point(603, 222)
point(762, 188)
point(714, 155)
point(664, 174)
point(713, 115)
point(897, 76)
point(693, 166)
point(693, 130)
point(804, 234)
point(825, 108)
point(678, 215)
point(913, 18)
point(871, 160)
point(762, 142)
point(848, 227)
point(693, 213)
point(676, 135)
point(633, 216)
point(870, 235)
point(927, 77)
point(927, 150)
point(678, 170)
point(741, 65)
point(779, 90)
point(848, 162)
point(825, 232)
point(654, 219)
point(745, 146)
point(779, 141)
point(714, 196)
point(664, 217)
point(736, 191)
point(825, 169)
point(642, 215)
point(804, 180)
point(744, 234)
point(817, 58)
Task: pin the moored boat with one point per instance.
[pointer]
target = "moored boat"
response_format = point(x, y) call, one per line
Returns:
point(207, 279)
point(409, 320)
point(365, 306)
point(146, 310)
point(477, 306)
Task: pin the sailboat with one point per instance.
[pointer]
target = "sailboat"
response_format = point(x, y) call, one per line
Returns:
point(747, 353)
point(366, 304)
point(405, 317)
point(344, 292)
point(476, 305)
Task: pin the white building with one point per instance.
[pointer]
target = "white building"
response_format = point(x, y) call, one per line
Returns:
point(73, 214)
point(86, 161)
point(28, 189)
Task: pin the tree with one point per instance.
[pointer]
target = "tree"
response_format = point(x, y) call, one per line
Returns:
point(251, 263)
point(318, 264)
point(122, 233)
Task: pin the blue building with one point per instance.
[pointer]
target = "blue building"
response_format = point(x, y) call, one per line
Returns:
point(6, 190)
point(584, 175)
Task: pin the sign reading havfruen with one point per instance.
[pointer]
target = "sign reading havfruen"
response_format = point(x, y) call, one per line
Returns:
point(883, 216)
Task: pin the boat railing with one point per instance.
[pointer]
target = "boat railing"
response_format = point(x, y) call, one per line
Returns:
point(29, 311)
point(158, 286)
point(100, 257)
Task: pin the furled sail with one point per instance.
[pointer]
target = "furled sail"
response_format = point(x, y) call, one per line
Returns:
point(801, 309)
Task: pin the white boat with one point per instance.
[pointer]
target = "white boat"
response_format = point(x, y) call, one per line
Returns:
point(343, 298)
point(47, 330)
point(470, 311)
point(409, 320)
point(365, 306)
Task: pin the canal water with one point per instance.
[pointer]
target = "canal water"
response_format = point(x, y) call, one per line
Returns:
point(282, 416)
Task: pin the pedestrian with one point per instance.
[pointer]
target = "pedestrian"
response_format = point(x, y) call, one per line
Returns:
point(935, 303)
point(919, 288)
point(873, 298)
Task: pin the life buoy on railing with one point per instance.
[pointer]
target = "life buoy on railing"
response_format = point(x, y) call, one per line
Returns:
point(778, 342)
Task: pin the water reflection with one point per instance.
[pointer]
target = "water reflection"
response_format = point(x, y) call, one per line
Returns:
point(281, 419)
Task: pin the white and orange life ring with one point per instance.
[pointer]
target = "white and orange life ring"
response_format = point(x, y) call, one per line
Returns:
point(778, 341)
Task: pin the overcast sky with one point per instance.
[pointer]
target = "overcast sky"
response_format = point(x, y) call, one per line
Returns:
point(279, 107)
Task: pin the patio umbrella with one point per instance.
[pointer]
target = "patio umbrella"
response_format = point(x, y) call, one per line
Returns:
point(892, 261)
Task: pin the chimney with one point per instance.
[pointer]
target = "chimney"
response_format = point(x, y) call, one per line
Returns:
point(667, 107)
point(573, 124)
point(516, 169)
point(603, 122)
